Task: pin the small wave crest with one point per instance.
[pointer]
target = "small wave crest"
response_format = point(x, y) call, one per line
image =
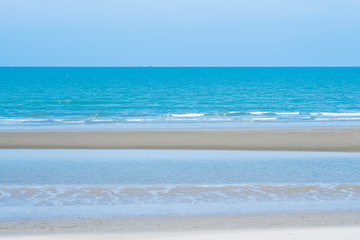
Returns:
point(263, 119)
point(235, 117)
point(185, 115)
point(110, 195)
point(22, 120)
point(335, 114)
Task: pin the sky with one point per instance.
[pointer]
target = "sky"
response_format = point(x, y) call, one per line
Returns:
point(179, 33)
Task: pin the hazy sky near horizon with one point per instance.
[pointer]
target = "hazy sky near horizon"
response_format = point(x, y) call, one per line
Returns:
point(179, 33)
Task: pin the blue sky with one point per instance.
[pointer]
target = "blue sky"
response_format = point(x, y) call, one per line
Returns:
point(179, 33)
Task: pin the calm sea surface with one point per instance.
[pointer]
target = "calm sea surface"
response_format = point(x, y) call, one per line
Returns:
point(79, 183)
point(178, 97)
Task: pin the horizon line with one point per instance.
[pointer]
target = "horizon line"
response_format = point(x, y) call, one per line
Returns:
point(304, 66)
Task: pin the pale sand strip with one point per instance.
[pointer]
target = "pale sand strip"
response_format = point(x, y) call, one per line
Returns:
point(122, 225)
point(334, 225)
point(333, 233)
point(345, 139)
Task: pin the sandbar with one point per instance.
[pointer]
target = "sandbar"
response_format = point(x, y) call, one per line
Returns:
point(331, 139)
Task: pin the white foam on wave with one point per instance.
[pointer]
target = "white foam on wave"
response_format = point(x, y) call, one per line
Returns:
point(135, 120)
point(160, 194)
point(21, 120)
point(185, 115)
point(182, 119)
point(20, 202)
point(219, 119)
point(67, 120)
point(277, 113)
point(264, 119)
point(335, 114)
point(340, 114)
point(287, 113)
point(258, 113)
point(338, 119)
point(102, 120)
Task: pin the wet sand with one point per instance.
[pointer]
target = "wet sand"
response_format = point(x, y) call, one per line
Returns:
point(336, 139)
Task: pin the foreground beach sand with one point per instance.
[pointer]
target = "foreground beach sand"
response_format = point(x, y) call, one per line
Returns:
point(332, 139)
point(336, 233)
point(306, 225)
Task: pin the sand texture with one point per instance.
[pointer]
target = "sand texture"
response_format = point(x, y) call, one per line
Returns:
point(340, 139)
point(306, 225)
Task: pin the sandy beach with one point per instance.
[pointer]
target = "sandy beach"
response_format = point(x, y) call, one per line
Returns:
point(317, 225)
point(336, 233)
point(332, 139)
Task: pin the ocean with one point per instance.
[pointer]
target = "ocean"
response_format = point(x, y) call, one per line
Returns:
point(123, 183)
point(123, 98)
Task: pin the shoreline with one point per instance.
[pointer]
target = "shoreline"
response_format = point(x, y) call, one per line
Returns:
point(174, 224)
point(322, 139)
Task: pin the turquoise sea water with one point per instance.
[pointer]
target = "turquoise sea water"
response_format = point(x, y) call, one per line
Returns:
point(178, 97)
point(79, 183)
